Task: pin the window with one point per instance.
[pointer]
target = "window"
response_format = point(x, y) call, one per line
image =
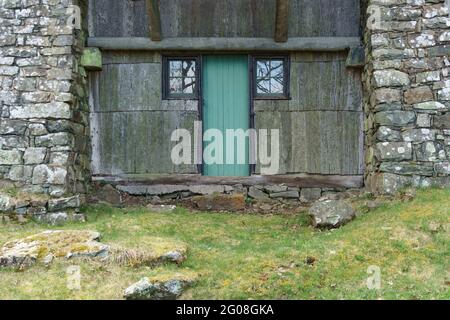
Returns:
point(271, 78)
point(181, 78)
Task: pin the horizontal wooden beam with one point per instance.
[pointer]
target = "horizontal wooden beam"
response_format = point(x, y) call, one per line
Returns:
point(282, 21)
point(226, 44)
point(291, 180)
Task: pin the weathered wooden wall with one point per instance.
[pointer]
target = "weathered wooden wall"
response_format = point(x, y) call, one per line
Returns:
point(321, 127)
point(131, 126)
point(225, 18)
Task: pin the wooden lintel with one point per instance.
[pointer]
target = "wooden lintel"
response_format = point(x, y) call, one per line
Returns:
point(282, 21)
point(226, 44)
point(291, 180)
point(154, 20)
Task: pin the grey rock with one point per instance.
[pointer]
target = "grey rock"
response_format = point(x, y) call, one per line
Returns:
point(310, 194)
point(64, 203)
point(10, 157)
point(331, 213)
point(206, 189)
point(154, 289)
point(394, 151)
point(34, 155)
point(6, 203)
point(390, 78)
point(431, 151)
point(395, 118)
point(290, 194)
point(388, 134)
point(407, 168)
point(257, 194)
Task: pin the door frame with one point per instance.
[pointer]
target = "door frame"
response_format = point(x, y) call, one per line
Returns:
point(249, 104)
point(251, 56)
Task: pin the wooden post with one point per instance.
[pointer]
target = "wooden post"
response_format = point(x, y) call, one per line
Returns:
point(155, 20)
point(282, 21)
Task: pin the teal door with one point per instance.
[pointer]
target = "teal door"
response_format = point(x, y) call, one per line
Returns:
point(225, 110)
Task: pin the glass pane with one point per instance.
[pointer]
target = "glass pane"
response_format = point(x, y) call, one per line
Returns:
point(276, 68)
point(189, 68)
point(263, 68)
point(189, 85)
point(263, 86)
point(175, 68)
point(276, 85)
point(175, 85)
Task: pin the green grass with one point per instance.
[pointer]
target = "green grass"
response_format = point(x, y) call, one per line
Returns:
point(262, 257)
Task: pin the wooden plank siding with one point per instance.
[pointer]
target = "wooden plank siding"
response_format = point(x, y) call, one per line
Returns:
point(282, 21)
point(225, 18)
point(321, 126)
point(130, 125)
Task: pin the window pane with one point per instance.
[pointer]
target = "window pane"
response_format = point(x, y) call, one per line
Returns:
point(263, 86)
point(175, 68)
point(263, 68)
point(188, 85)
point(189, 68)
point(175, 85)
point(276, 85)
point(276, 68)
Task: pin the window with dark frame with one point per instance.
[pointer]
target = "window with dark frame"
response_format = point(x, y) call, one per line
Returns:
point(181, 78)
point(271, 78)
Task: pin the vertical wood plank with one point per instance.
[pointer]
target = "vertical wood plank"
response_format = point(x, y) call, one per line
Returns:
point(154, 19)
point(282, 21)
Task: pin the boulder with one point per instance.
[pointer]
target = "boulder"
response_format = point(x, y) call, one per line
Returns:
point(58, 243)
point(331, 213)
point(220, 202)
point(162, 287)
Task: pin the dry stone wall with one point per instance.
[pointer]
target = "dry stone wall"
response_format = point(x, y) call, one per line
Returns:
point(44, 143)
point(407, 101)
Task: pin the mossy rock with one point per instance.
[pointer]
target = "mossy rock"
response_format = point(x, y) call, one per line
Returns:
point(56, 243)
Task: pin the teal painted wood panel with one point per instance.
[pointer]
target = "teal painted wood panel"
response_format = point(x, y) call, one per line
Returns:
point(226, 106)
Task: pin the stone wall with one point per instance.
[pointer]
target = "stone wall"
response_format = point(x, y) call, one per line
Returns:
point(407, 100)
point(44, 117)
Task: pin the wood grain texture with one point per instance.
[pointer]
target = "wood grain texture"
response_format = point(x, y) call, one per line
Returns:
point(154, 17)
point(321, 126)
point(282, 21)
point(226, 44)
point(225, 18)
